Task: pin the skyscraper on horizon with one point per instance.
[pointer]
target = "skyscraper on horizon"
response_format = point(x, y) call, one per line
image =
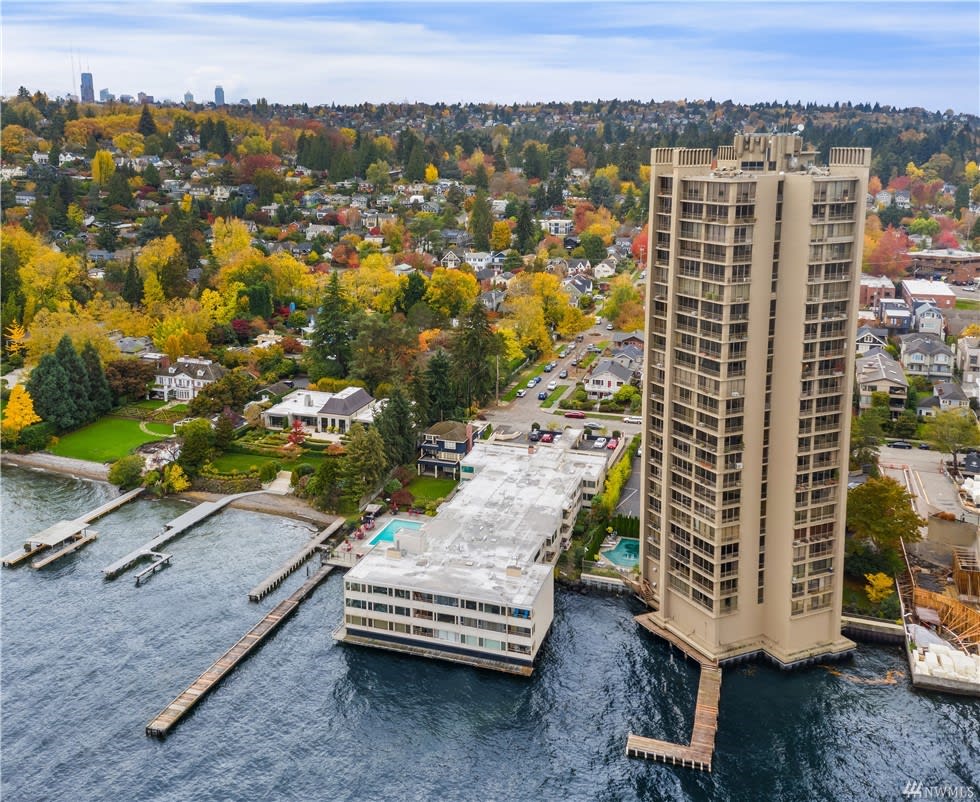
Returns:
point(188, 97)
point(755, 259)
point(219, 96)
point(88, 88)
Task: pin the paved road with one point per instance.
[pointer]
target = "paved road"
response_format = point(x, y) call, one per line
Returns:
point(629, 500)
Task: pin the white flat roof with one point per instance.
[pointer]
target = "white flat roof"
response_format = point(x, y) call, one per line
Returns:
point(497, 520)
point(921, 286)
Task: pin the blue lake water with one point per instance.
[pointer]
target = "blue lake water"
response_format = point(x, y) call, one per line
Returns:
point(86, 664)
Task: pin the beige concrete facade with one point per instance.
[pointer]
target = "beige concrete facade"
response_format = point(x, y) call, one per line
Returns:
point(755, 260)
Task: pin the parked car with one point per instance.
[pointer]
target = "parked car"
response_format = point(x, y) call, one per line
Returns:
point(574, 413)
point(900, 444)
point(574, 361)
point(613, 442)
point(592, 425)
point(600, 443)
point(547, 437)
point(632, 419)
point(521, 393)
point(553, 384)
point(609, 327)
point(925, 446)
point(534, 436)
point(548, 368)
point(563, 374)
point(532, 382)
point(543, 395)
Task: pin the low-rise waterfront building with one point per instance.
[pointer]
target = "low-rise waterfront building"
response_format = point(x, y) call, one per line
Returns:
point(322, 412)
point(475, 584)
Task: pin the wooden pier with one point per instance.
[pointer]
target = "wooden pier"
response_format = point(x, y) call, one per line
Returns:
point(698, 753)
point(68, 535)
point(277, 577)
point(162, 561)
point(205, 683)
point(176, 527)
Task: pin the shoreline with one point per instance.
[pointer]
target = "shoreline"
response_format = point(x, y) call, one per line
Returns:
point(284, 506)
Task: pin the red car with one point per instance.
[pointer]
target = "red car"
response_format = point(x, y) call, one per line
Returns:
point(612, 444)
point(548, 437)
point(574, 414)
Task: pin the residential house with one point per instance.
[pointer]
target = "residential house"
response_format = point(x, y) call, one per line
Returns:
point(477, 259)
point(895, 315)
point(968, 364)
point(492, 300)
point(443, 447)
point(24, 198)
point(868, 338)
point(39, 158)
point(606, 378)
point(926, 355)
point(928, 319)
point(903, 199)
point(624, 338)
point(184, 379)
point(577, 286)
point(603, 270)
point(452, 258)
point(320, 411)
point(878, 373)
point(945, 396)
point(556, 227)
point(630, 357)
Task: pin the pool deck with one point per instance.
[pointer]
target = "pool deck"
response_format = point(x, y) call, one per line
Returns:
point(351, 550)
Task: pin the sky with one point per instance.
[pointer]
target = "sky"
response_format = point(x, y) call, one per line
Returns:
point(898, 52)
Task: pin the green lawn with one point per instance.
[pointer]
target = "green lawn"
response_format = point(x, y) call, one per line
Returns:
point(245, 462)
point(555, 394)
point(967, 303)
point(426, 488)
point(164, 429)
point(147, 403)
point(106, 440)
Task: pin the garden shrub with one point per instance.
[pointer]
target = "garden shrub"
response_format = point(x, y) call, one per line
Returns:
point(301, 470)
point(35, 437)
point(268, 471)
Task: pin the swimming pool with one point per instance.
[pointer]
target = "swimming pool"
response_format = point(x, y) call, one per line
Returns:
point(387, 533)
point(625, 554)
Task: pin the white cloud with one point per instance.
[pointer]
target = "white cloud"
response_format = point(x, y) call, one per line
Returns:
point(346, 53)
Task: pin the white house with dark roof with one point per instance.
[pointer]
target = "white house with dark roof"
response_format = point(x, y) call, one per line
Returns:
point(968, 362)
point(928, 319)
point(945, 395)
point(606, 378)
point(868, 338)
point(322, 412)
point(184, 379)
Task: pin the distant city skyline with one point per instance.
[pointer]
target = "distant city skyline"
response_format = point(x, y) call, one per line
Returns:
point(899, 54)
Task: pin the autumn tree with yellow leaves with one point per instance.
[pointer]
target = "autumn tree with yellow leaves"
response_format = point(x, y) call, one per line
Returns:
point(18, 413)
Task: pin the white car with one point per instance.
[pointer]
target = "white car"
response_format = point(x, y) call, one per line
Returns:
point(553, 385)
point(600, 443)
point(632, 419)
point(521, 393)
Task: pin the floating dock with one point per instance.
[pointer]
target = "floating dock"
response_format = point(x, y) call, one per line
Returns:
point(277, 577)
point(68, 535)
point(204, 684)
point(698, 753)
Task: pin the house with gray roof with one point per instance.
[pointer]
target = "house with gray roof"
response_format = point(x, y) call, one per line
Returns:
point(927, 355)
point(945, 395)
point(322, 412)
point(868, 338)
point(606, 378)
point(879, 373)
point(443, 446)
point(185, 378)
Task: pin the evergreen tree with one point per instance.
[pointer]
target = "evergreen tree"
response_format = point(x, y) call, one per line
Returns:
point(415, 167)
point(331, 351)
point(439, 390)
point(78, 377)
point(51, 390)
point(525, 229)
point(260, 301)
point(412, 292)
point(481, 221)
point(473, 346)
point(151, 176)
point(365, 463)
point(100, 395)
point(146, 126)
point(132, 291)
point(119, 192)
point(396, 425)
